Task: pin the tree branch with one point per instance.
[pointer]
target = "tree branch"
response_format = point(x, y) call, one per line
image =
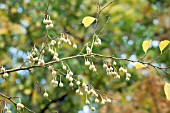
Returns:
point(82, 55)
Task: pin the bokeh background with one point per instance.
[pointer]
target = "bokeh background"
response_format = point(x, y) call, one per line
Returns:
point(131, 22)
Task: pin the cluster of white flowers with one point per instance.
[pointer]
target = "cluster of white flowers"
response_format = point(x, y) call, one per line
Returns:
point(99, 99)
point(65, 38)
point(128, 75)
point(3, 69)
point(111, 70)
point(33, 57)
point(98, 41)
point(91, 65)
point(48, 22)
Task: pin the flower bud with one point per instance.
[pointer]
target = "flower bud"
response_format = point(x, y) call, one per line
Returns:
point(61, 84)
point(71, 84)
point(87, 63)
point(114, 63)
point(93, 108)
point(5, 75)
point(45, 95)
point(104, 65)
point(71, 79)
point(45, 21)
point(78, 82)
point(96, 100)
point(20, 106)
point(87, 101)
point(74, 46)
point(64, 67)
point(88, 50)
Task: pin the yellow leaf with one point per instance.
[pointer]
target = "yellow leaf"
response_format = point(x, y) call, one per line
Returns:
point(88, 20)
point(163, 44)
point(139, 65)
point(146, 45)
point(167, 90)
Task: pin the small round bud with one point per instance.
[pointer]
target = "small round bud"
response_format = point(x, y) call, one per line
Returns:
point(114, 63)
point(84, 84)
point(104, 65)
point(50, 67)
point(54, 73)
point(114, 73)
point(121, 69)
point(74, 46)
point(88, 50)
point(67, 76)
point(81, 93)
point(20, 106)
point(127, 79)
point(71, 84)
point(54, 83)
point(45, 95)
point(117, 76)
point(70, 43)
point(55, 54)
point(61, 84)
point(77, 91)
point(49, 26)
point(87, 101)
point(3, 69)
point(94, 69)
point(70, 79)
point(96, 100)
point(5, 75)
point(78, 82)
point(45, 21)
point(128, 75)
point(108, 100)
point(28, 58)
point(64, 67)
point(125, 70)
point(41, 62)
point(90, 67)
point(53, 42)
point(56, 58)
point(96, 44)
point(59, 43)
point(93, 108)
point(107, 69)
point(111, 68)
point(71, 73)
point(103, 101)
point(98, 40)
point(87, 63)
point(49, 21)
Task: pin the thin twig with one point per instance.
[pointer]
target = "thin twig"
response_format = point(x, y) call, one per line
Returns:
point(10, 99)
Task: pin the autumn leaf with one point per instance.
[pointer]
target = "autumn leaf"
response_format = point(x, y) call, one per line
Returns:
point(139, 65)
point(167, 90)
point(88, 20)
point(163, 45)
point(146, 45)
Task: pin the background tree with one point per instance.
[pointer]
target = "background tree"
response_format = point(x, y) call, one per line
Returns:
point(122, 27)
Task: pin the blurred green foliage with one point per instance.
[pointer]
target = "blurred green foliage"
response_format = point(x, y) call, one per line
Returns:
point(130, 23)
